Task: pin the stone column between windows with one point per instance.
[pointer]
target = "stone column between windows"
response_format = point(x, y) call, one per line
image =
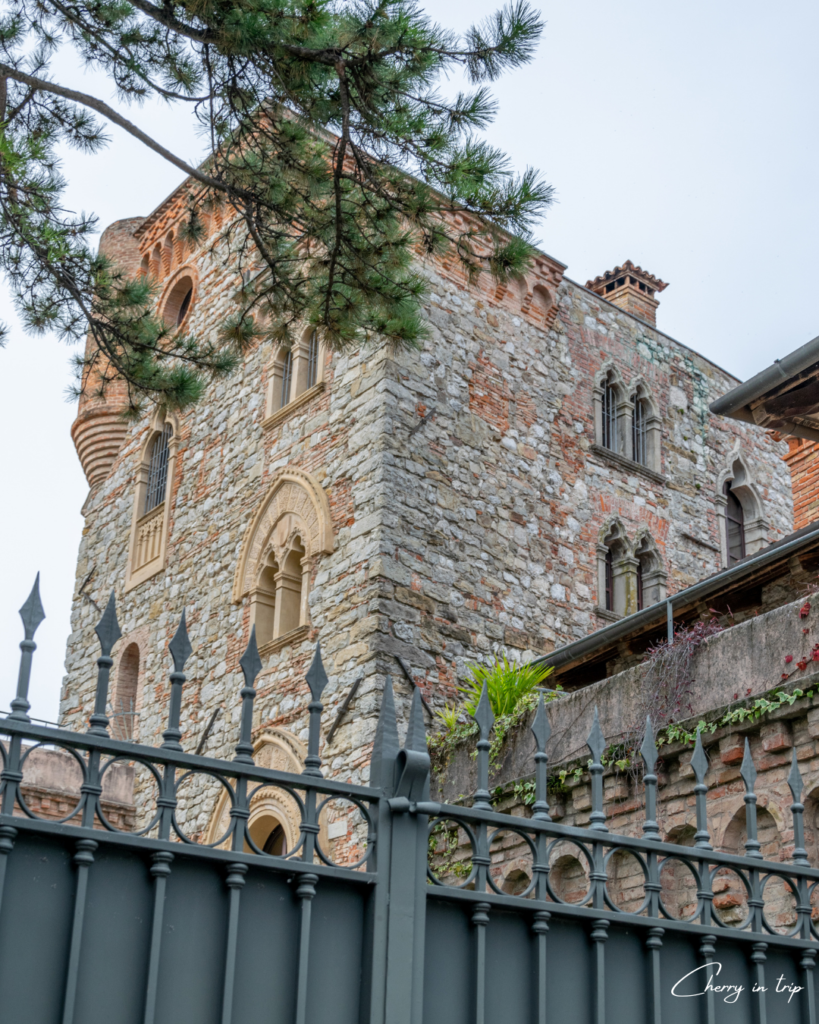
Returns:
point(654, 586)
point(275, 370)
point(602, 551)
point(288, 603)
point(756, 534)
point(301, 363)
point(597, 402)
point(654, 433)
point(624, 584)
point(720, 506)
point(304, 607)
point(624, 427)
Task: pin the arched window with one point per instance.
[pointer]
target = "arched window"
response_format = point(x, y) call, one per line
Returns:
point(609, 438)
point(743, 528)
point(158, 469)
point(609, 605)
point(615, 565)
point(639, 586)
point(287, 376)
point(149, 529)
point(650, 576)
point(734, 525)
point(312, 359)
point(123, 701)
point(639, 432)
point(294, 374)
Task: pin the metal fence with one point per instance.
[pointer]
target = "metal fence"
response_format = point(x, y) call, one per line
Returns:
point(152, 926)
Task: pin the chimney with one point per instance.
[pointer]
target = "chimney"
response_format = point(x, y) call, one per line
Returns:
point(632, 289)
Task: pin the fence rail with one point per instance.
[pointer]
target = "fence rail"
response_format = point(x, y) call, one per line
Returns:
point(410, 922)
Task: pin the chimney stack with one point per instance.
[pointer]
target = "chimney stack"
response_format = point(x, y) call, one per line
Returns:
point(632, 289)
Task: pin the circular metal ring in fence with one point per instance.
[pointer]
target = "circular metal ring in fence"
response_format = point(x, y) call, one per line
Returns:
point(679, 888)
point(451, 851)
point(780, 900)
point(569, 881)
point(51, 782)
point(512, 856)
point(119, 788)
point(347, 824)
point(626, 877)
point(813, 907)
point(273, 826)
point(731, 891)
point(226, 798)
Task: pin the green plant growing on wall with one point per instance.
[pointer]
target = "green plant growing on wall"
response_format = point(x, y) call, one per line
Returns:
point(506, 684)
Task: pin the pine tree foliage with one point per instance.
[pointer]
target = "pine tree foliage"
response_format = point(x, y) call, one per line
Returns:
point(336, 160)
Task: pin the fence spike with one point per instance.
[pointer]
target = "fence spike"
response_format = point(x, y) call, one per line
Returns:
point(32, 615)
point(316, 680)
point(385, 747)
point(316, 676)
point(416, 738)
point(180, 649)
point(800, 854)
point(597, 744)
point(541, 730)
point(748, 773)
point(251, 665)
point(648, 752)
point(699, 762)
point(108, 632)
point(485, 718)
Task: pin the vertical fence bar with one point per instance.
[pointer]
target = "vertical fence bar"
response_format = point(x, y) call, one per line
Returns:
point(306, 888)
point(597, 876)
point(651, 830)
point(758, 959)
point(755, 902)
point(480, 857)
point(180, 651)
point(382, 777)
point(541, 730)
point(699, 762)
point(32, 615)
point(108, 632)
point(707, 950)
point(803, 908)
point(808, 963)
point(251, 665)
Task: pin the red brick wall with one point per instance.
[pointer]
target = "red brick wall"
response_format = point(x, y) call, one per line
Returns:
point(803, 461)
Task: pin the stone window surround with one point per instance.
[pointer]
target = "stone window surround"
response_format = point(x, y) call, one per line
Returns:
point(627, 556)
point(746, 490)
point(275, 412)
point(141, 522)
point(625, 398)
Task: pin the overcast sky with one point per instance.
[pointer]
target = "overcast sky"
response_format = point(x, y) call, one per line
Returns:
point(681, 136)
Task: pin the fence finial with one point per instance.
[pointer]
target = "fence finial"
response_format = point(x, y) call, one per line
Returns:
point(416, 738)
point(541, 730)
point(699, 762)
point(800, 854)
point(748, 773)
point(251, 665)
point(316, 680)
point(32, 615)
point(385, 747)
point(597, 744)
point(485, 718)
point(180, 650)
point(648, 752)
point(108, 632)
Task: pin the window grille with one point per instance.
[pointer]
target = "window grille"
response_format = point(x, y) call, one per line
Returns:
point(734, 525)
point(639, 438)
point(609, 582)
point(287, 376)
point(312, 360)
point(609, 439)
point(158, 469)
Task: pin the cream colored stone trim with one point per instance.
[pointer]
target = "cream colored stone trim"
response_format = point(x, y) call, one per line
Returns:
point(291, 637)
point(295, 503)
point(287, 411)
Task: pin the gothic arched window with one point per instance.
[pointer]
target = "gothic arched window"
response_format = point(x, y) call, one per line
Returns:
point(158, 469)
point(734, 525)
point(294, 372)
point(639, 431)
point(609, 435)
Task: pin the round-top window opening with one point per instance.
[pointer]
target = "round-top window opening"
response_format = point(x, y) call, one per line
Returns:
point(178, 302)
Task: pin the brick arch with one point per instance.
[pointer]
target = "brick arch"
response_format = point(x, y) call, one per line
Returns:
point(295, 505)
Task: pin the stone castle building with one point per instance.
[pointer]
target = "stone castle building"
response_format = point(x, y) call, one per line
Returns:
point(545, 464)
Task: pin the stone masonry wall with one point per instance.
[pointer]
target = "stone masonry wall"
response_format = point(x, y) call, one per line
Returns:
point(465, 501)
